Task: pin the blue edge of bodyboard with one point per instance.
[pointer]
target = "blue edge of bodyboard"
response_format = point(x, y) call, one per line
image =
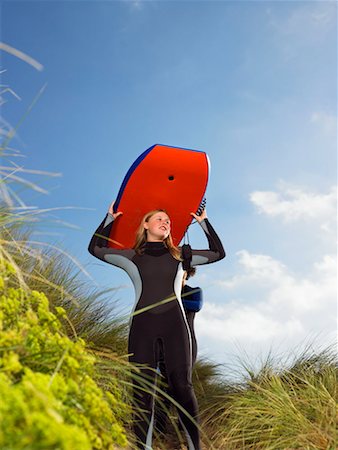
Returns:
point(133, 167)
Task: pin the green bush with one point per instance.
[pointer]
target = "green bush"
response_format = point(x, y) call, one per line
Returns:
point(48, 396)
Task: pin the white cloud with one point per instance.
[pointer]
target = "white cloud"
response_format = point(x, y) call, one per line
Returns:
point(294, 203)
point(288, 306)
point(243, 323)
point(266, 302)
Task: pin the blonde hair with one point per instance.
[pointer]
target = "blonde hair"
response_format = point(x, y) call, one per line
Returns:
point(141, 237)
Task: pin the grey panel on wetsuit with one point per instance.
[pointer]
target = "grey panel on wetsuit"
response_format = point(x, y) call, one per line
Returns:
point(109, 219)
point(120, 258)
point(197, 260)
point(131, 269)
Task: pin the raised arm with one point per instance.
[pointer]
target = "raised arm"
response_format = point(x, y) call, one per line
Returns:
point(215, 252)
point(98, 245)
point(99, 241)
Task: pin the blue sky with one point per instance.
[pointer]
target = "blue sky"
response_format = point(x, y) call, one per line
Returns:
point(251, 83)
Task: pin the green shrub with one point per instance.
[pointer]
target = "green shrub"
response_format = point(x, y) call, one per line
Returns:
point(48, 396)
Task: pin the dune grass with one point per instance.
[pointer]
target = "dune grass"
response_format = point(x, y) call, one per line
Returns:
point(286, 408)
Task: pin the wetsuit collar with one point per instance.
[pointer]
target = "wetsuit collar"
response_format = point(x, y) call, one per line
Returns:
point(155, 245)
point(155, 248)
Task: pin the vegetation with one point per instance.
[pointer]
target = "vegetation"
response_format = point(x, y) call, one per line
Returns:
point(49, 396)
point(280, 408)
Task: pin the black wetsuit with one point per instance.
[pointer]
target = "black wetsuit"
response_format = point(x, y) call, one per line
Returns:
point(160, 331)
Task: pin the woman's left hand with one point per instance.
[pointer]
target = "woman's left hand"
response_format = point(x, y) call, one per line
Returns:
point(201, 217)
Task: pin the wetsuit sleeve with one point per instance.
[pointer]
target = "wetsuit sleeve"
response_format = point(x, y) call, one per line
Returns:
point(215, 251)
point(98, 245)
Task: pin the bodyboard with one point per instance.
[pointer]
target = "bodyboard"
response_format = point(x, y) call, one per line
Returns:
point(162, 177)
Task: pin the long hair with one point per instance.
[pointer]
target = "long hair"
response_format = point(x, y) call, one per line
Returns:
point(141, 237)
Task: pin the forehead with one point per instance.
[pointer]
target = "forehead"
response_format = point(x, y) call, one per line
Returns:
point(160, 214)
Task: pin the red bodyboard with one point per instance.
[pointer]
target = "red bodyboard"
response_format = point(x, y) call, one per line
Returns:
point(163, 177)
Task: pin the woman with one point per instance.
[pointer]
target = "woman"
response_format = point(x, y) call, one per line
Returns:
point(160, 330)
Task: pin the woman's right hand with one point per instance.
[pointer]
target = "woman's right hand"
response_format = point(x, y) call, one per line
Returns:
point(111, 211)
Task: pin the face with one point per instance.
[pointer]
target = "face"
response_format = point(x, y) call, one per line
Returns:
point(158, 227)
